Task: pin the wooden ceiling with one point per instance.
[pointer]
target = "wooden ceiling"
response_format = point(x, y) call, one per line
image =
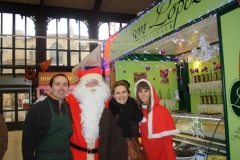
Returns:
point(115, 6)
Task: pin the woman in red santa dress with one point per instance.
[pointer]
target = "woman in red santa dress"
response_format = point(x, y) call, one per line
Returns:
point(157, 126)
point(87, 102)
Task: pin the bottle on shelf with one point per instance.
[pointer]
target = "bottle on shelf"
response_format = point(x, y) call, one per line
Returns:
point(215, 76)
point(205, 100)
point(198, 78)
point(168, 94)
point(206, 77)
point(202, 77)
point(210, 76)
point(193, 79)
point(220, 75)
point(209, 99)
point(160, 94)
point(201, 99)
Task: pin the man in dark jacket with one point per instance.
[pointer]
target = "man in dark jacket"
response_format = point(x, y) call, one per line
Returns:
point(3, 136)
point(47, 128)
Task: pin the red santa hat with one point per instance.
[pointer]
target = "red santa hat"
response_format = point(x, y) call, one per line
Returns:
point(93, 73)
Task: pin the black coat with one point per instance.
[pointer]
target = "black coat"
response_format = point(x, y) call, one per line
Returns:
point(3, 136)
point(112, 144)
point(37, 124)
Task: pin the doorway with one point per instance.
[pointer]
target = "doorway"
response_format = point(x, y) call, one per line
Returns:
point(14, 105)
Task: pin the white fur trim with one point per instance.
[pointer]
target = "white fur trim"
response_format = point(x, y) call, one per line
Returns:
point(89, 76)
point(151, 89)
point(150, 119)
point(163, 134)
point(144, 106)
point(90, 156)
point(144, 120)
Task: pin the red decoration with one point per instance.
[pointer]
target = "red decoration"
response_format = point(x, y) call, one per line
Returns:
point(191, 70)
point(162, 51)
point(25, 106)
point(44, 65)
point(218, 66)
point(148, 67)
point(30, 74)
point(174, 69)
point(205, 68)
point(175, 59)
point(166, 74)
point(196, 70)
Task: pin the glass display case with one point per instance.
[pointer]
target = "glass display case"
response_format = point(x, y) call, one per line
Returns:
point(200, 132)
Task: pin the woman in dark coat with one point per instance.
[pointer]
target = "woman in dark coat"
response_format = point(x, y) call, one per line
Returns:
point(118, 122)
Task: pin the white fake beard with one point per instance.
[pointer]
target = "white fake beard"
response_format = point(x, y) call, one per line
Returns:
point(92, 104)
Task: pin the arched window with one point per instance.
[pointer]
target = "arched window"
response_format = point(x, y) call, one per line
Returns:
point(103, 31)
point(19, 45)
point(58, 47)
point(108, 29)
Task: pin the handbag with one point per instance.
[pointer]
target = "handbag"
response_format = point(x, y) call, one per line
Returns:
point(135, 150)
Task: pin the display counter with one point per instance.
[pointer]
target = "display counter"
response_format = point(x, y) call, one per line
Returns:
point(205, 133)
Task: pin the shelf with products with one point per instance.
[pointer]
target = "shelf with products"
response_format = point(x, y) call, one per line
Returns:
point(210, 108)
point(207, 77)
point(205, 87)
point(207, 96)
point(202, 132)
point(169, 103)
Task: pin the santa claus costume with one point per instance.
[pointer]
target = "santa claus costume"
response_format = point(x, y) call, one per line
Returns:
point(86, 105)
point(157, 128)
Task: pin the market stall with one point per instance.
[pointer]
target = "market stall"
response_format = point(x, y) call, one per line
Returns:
point(179, 46)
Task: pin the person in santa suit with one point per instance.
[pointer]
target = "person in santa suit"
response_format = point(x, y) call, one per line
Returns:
point(157, 126)
point(87, 102)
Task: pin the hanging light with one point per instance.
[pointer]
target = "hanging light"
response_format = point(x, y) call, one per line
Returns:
point(206, 52)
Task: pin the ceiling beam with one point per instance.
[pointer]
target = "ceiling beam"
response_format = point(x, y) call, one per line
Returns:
point(60, 12)
point(97, 5)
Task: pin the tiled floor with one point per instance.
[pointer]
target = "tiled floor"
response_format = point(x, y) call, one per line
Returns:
point(14, 151)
